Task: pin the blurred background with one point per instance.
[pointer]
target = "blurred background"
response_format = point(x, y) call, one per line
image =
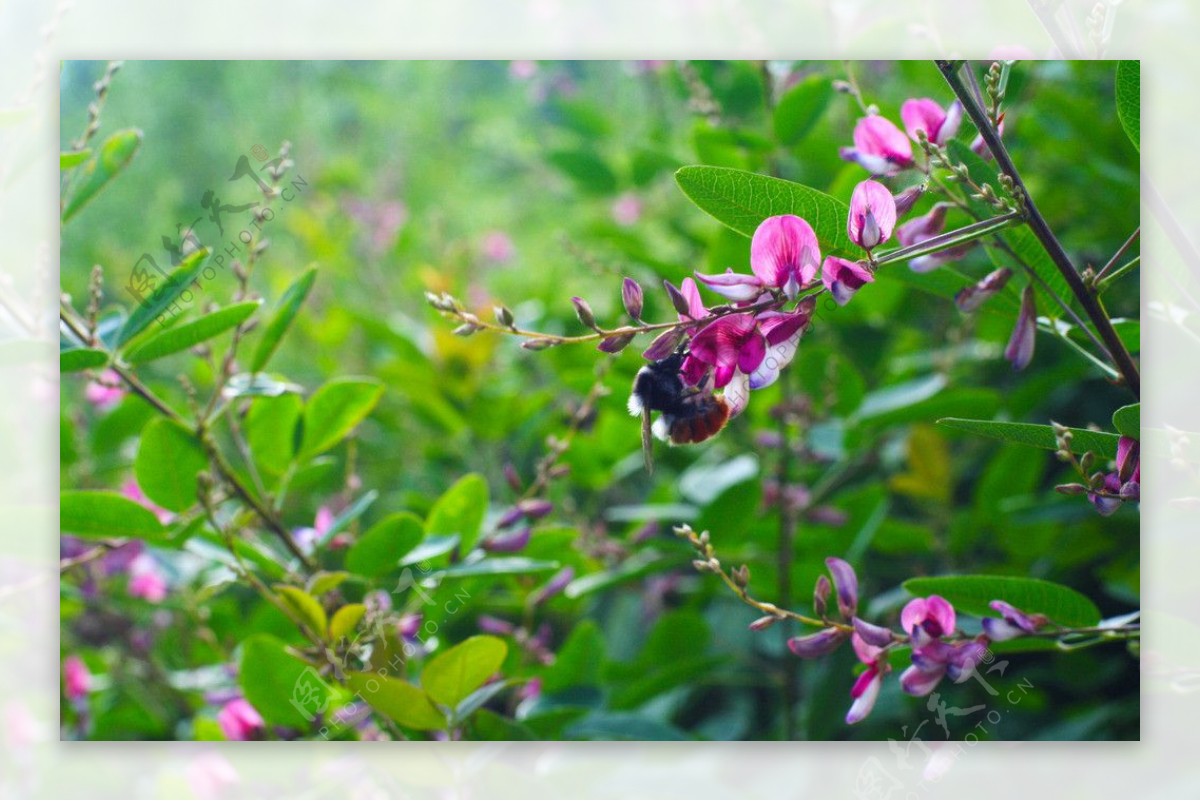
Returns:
point(525, 183)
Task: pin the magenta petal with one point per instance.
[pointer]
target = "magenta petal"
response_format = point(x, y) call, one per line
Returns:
point(879, 136)
point(922, 114)
point(954, 115)
point(928, 225)
point(843, 278)
point(693, 371)
point(864, 692)
point(876, 165)
point(915, 681)
point(872, 214)
point(912, 615)
point(1128, 458)
point(752, 352)
point(691, 294)
point(723, 374)
point(940, 611)
point(1000, 630)
point(784, 250)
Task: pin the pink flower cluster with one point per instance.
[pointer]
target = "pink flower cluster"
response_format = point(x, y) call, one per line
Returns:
point(929, 627)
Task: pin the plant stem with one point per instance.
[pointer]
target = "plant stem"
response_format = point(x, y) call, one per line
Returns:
point(950, 239)
point(1116, 256)
point(787, 535)
point(1037, 223)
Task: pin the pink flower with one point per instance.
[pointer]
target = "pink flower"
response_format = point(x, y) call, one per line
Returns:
point(105, 392)
point(146, 581)
point(971, 298)
point(923, 114)
point(784, 253)
point(77, 679)
point(239, 720)
point(729, 344)
point(133, 492)
point(872, 215)
point(1014, 622)
point(866, 689)
point(782, 331)
point(627, 209)
point(737, 287)
point(843, 278)
point(935, 660)
point(497, 247)
point(308, 536)
point(1020, 345)
point(522, 69)
point(926, 619)
point(879, 146)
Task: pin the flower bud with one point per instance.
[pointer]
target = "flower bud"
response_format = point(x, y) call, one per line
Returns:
point(1071, 489)
point(584, 312)
point(879, 636)
point(764, 622)
point(494, 625)
point(741, 576)
point(824, 642)
point(539, 343)
point(846, 584)
point(1020, 346)
point(971, 298)
point(664, 344)
point(677, 299)
point(554, 586)
point(465, 330)
point(504, 316)
point(632, 297)
point(512, 476)
point(615, 343)
point(535, 509)
point(821, 596)
point(508, 543)
point(908, 198)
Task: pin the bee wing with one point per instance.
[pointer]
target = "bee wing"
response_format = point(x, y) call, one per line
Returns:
point(647, 441)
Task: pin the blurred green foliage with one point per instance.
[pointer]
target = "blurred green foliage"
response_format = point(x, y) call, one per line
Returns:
point(500, 186)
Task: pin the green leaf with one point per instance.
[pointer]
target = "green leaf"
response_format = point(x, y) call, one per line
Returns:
point(1128, 420)
point(454, 674)
point(289, 306)
point(579, 660)
point(167, 463)
point(381, 548)
point(284, 690)
point(344, 620)
point(271, 431)
point(161, 298)
point(258, 385)
point(641, 563)
point(398, 700)
point(72, 361)
point(586, 169)
point(334, 410)
point(500, 566)
point(800, 108)
point(1129, 100)
point(113, 157)
point(430, 548)
point(972, 594)
point(73, 158)
point(1102, 443)
point(306, 607)
point(460, 511)
point(742, 200)
point(623, 726)
point(492, 727)
point(322, 582)
point(182, 337)
point(98, 515)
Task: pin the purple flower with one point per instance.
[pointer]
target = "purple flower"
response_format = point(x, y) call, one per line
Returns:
point(846, 584)
point(922, 114)
point(1020, 345)
point(729, 344)
point(927, 226)
point(409, 625)
point(866, 688)
point(77, 679)
point(843, 278)
point(971, 298)
point(494, 625)
point(239, 720)
point(1014, 622)
point(146, 580)
point(822, 643)
point(1106, 504)
point(784, 253)
point(1129, 466)
point(872, 215)
point(927, 619)
point(627, 209)
point(508, 543)
point(733, 286)
point(936, 660)
point(908, 198)
point(782, 331)
point(879, 147)
point(557, 583)
point(871, 634)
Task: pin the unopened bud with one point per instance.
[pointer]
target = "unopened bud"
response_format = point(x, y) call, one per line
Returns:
point(908, 198)
point(701, 565)
point(504, 316)
point(1087, 462)
point(466, 329)
point(741, 576)
point(539, 343)
point(764, 622)
point(1071, 489)
point(615, 343)
point(821, 596)
point(677, 299)
point(632, 297)
point(584, 312)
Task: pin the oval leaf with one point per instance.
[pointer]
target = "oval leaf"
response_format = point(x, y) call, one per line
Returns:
point(453, 675)
point(380, 550)
point(972, 594)
point(460, 511)
point(344, 620)
point(73, 158)
point(114, 155)
point(586, 169)
point(334, 410)
point(284, 690)
point(271, 431)
point(1128, 420)
point(168, 461)
point(398, 700)
point(1129, 100)
point(289, 306)
point(306, 607)
point(742, 200)
point(106, 514)
point(1102, 443)
point(184, 336)
point(72, 361)
point(166, 293)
